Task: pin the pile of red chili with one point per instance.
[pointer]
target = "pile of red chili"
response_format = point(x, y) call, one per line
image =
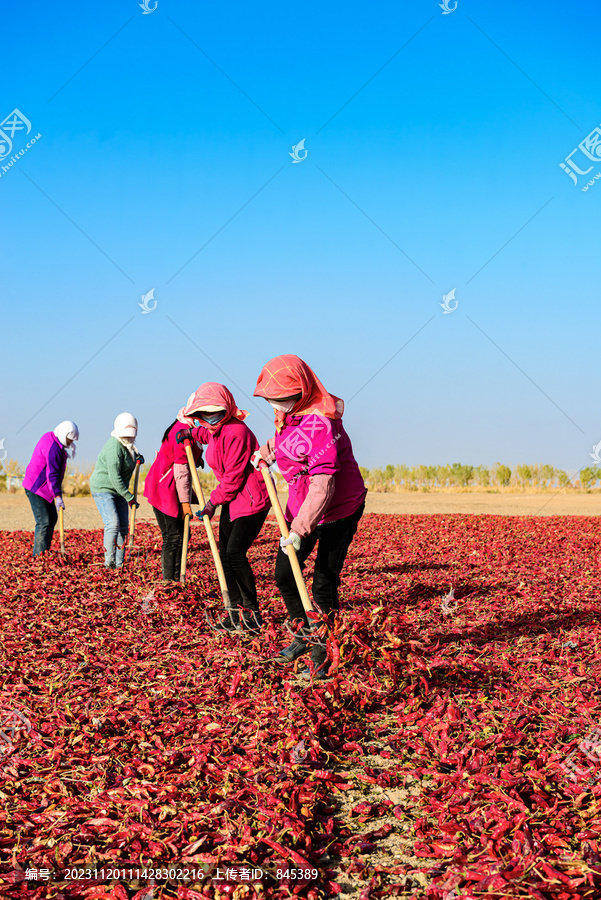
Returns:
point(151, 741)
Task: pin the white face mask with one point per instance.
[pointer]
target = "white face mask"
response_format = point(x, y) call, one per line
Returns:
point(284, 406)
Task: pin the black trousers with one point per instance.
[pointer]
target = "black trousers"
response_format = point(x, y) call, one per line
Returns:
point(333, 541)
point(172, 530)
point(235, 539)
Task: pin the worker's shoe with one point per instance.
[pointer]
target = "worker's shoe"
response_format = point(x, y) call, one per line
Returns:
point(293, 651)
point(230, 622)
point(318, 669)
point(250, 619)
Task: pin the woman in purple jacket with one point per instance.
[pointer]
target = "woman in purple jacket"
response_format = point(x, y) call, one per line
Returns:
point(44, 479)
point(241, 492)
point(326, 493)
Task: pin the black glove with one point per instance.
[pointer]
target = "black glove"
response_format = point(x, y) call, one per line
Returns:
point(182, 436)
point(140, 459)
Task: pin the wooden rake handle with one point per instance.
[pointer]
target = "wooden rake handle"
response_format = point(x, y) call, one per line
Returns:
point(294, 563)
point(61, 529)
point(208, 527)
point(184, 562)
point(132, 521)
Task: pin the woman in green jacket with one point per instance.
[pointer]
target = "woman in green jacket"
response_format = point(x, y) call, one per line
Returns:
point(109, 485)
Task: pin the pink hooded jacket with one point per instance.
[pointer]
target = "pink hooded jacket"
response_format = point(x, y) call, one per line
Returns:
point(229, 450)
point(311, 446)
point(167, 483)
point(230, 445)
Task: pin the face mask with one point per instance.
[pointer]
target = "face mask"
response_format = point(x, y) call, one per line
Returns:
point(213, 418)
point(128, 440)
point(284, 406)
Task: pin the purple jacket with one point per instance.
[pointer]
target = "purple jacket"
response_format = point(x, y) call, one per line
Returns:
point(228, 454)
point(313, 445)
point(45, 472)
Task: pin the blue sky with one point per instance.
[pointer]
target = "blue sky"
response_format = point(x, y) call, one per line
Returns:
point(433, 148)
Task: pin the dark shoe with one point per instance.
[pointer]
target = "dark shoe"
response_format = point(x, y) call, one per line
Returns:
point(251, 620)
point(293, 651)
point(231, 622)
point(318, 670)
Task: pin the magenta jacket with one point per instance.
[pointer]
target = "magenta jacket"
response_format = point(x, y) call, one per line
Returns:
point(45, 472)
point(229, 451)
point(167, 483)
point(313, 445)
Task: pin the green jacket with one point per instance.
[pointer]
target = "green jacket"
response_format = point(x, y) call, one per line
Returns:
point(113, 470)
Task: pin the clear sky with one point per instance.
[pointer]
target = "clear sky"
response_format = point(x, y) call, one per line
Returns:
point(433, 148)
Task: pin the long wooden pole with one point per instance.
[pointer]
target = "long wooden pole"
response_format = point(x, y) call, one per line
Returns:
point(296, 569)
point(132, 520)
point(184, 563)
point(61, 529)
point(209, 529)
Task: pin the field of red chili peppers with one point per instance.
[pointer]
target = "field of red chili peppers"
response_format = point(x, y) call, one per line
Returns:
point(451, 754)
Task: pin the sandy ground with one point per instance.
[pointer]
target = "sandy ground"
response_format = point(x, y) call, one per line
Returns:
point(81, 512)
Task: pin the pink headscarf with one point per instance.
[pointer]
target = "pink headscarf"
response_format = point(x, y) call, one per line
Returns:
point(211, 394)
point(287, 375)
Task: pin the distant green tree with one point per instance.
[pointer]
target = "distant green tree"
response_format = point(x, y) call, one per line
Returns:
point(547, 474)
point(482, 475)
point(461, 475)
point(389, 474)
point(563, 478)
point(524, 474)
point(588, 477)
point(502, 475)
point(443, 475)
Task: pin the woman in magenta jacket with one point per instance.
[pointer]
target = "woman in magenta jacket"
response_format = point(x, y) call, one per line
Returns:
point(241, 492)
point(168, 490)
point(326, 493)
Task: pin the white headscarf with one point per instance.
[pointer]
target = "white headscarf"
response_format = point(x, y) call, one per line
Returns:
point(65, 431)
point(126, 426)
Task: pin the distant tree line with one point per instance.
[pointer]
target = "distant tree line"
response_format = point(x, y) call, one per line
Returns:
point(457, 475)
point(389, 478)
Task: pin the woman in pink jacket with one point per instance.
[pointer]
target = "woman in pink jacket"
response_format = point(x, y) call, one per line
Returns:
point(43, 481)
point(241, 493)
point(326, 493)
point(168, 490)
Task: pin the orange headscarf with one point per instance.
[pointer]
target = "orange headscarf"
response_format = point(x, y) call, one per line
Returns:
point(211, 394)
point(287, 375)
